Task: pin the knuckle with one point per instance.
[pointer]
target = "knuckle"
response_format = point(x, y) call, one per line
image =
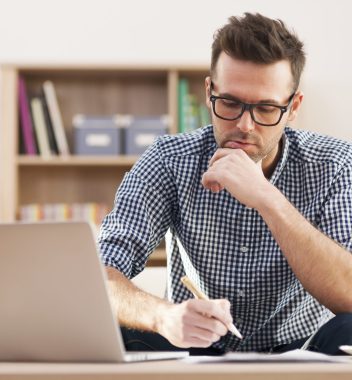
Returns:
point(183, 319)
point(220, 329)
point(213, 308)
point(207, 343)
point(226, 304)
point(215, 337)
point(188, 305)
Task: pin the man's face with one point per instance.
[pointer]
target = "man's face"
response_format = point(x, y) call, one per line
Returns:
point(252, 83)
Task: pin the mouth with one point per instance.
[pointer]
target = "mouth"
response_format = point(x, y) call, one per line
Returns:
point(237, 144)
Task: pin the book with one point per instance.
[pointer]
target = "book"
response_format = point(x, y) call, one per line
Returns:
point(92, 212)
point(191, 116)
point(26, 125)
point(55, 117)
point(49, 127)
point(183, 92)
point(40, 127)
point(191, 113)
point(204, 115)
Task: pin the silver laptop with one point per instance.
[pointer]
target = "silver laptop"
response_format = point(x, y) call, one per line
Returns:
point(54, 305)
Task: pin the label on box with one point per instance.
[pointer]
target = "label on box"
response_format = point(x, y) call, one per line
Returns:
point(98, 139)
point(145, 139)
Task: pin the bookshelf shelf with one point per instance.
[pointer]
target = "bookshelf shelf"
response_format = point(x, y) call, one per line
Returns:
point(86, 89)
point(121, 160)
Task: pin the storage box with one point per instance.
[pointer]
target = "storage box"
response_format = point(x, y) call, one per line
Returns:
point(96, 135)
point(141, 132)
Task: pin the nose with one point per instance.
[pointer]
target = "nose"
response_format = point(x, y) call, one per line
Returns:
point(245, 122)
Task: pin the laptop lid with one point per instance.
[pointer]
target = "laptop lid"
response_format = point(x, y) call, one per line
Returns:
point(53, 297)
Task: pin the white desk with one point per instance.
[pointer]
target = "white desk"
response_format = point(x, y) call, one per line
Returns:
point(177, 370)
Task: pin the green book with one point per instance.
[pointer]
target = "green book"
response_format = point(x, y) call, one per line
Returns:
point(204, 115)
point(192, 114)
point(183, 91)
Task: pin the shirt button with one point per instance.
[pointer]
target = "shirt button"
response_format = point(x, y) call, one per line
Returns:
point(244, 249)
point(240, 293)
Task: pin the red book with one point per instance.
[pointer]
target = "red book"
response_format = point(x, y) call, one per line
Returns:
point(26, 120)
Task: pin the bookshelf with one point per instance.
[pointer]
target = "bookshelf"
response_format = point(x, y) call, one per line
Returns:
point(86, 89)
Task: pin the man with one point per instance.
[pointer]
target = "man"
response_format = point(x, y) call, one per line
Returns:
point(263, 212)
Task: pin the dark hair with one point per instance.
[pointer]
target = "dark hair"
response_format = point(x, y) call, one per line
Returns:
point(259, 39)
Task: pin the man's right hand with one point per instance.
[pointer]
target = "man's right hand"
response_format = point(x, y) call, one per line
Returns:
point(194, 323)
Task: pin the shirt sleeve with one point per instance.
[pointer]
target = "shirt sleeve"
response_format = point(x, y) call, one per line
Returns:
point(336, 219)
point(140, 217)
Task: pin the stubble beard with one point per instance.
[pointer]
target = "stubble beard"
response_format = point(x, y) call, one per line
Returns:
point(270, 147)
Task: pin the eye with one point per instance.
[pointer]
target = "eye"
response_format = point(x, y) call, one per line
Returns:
point(228, 103)
point(266, 109)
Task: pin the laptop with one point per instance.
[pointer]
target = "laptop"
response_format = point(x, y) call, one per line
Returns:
point(54, 305)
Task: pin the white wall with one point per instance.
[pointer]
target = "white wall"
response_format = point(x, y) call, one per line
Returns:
point(162, 31)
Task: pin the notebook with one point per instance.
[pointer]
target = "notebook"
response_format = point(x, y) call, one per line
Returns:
point(54, 300)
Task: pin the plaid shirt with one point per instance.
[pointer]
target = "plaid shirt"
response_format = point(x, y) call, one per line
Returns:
point(228, 249)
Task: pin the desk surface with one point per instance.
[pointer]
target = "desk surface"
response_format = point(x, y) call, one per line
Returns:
point(172, 370)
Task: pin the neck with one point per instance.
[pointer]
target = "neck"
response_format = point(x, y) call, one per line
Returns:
point(270, 161)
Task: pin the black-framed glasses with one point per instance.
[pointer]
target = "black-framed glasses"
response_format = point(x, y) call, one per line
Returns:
point(264, 114)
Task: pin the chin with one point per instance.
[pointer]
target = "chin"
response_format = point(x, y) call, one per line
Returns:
point(255, 156)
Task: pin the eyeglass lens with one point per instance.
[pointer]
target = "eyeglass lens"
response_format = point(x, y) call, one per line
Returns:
point(231, 110)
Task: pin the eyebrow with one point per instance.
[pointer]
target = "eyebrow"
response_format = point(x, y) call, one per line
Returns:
point(235, 98)
point(262, 101)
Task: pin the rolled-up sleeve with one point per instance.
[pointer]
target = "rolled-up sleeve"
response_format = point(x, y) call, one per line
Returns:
point(140, 217)
point(336, 219)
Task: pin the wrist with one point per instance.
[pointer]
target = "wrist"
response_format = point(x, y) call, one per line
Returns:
point(270, 200)
point(160, 314)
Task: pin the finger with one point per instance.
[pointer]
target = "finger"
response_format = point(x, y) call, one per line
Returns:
point(207, 323)
point(202, 334)
point(217, 309)
point(215, 187)
point(210, 183)
point(224, 304)
point(220, 153)
point(223, 152)
point(196, 342)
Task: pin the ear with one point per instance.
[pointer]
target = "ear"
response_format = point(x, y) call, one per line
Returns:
point(207, 91)
point(296, 104)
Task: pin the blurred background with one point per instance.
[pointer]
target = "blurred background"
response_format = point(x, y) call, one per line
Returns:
point(99, 33)
point(159, 31)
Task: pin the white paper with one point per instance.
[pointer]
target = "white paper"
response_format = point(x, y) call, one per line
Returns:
point(346, 348)
point(290, 356)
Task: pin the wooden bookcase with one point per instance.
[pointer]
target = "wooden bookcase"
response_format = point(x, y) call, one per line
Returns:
point(138, 90)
